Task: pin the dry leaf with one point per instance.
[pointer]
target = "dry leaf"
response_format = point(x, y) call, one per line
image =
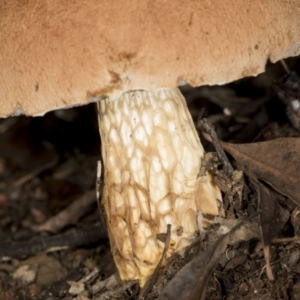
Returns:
point(191, 281)
point(272, 218)
point(272, 215)
point(277, 162)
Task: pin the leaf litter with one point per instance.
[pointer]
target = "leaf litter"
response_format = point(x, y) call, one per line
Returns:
point(276, 162)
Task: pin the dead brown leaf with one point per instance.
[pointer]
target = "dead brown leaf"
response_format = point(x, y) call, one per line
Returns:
point(191, 281)
point(272, 218)
point(272, 215)
point(277, 162)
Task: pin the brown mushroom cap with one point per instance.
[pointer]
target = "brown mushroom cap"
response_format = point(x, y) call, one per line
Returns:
point(58, 53)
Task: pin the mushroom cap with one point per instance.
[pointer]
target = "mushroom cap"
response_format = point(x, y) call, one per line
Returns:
point(58, 53)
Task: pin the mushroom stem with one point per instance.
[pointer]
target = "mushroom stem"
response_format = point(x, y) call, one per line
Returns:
point(152, 157)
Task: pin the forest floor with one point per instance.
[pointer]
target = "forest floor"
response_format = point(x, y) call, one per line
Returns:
point(53, 241)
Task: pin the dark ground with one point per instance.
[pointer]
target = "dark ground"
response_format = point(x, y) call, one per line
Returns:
point(49, 162)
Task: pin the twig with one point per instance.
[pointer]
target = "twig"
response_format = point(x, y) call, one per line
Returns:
point(269, 271)
point(285, 66)
point(209, 128)
point(21, 181)
point(90, 276)
point(294, 239)
point(70, 215)
point(73, 238)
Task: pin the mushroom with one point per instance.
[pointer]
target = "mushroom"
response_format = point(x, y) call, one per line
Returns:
point(132, 55)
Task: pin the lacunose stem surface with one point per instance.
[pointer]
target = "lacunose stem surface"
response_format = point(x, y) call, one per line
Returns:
point(152, 157)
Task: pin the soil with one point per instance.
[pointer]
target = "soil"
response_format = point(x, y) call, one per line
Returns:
point(49, 163)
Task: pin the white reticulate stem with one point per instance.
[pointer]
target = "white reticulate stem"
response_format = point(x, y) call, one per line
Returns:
point(152, 157)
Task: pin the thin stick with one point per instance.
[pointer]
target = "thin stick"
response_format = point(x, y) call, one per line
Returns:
point(294, 239)
point(69, 215)
point(209, 128)
point(24, 179)
point(285, 66)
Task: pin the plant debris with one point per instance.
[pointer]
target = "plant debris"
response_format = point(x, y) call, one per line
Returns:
point(277, 162)
point(272, 218)
point(191, 280)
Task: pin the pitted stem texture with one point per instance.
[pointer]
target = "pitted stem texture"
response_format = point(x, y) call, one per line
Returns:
point(152, 157)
